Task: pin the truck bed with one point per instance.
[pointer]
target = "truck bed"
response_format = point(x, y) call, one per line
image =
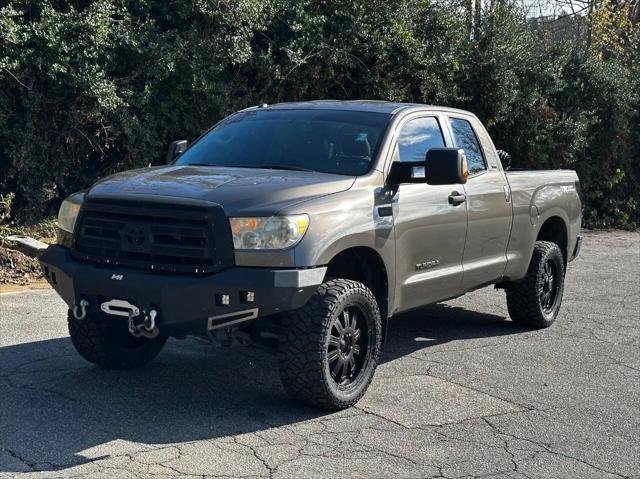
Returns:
point(537, 195)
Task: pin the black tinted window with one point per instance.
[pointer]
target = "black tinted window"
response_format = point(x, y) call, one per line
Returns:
point(465, 138)
point(417, 137)
point(329, 141)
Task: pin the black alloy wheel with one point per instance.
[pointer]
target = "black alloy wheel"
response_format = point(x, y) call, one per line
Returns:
point(548, 287)
point(347, 346)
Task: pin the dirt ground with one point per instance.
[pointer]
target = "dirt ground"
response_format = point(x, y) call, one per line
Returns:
point(18, 269)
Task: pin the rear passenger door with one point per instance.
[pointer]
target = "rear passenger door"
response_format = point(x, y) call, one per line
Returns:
point(488, 204)
point(429, 231)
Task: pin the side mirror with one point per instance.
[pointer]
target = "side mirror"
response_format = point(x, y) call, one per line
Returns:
point(446, 166)
point(505, 159)
point(406, 172)
point(176, 148)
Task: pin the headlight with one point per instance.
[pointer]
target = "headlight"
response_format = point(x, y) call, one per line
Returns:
point(68, 212)
point(275, 232)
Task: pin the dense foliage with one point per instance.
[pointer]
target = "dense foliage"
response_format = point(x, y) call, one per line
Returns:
point(90, 87)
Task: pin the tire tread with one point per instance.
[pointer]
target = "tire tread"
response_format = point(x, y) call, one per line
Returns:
point(522, 297)
point(301, 370)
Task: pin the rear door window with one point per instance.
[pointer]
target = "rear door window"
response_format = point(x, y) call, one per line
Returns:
point(465, 138)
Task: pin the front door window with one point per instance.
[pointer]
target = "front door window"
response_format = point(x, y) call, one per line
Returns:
point(417, 137)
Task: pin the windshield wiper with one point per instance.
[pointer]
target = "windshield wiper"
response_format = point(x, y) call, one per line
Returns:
point(284, 167)
point(267, 167)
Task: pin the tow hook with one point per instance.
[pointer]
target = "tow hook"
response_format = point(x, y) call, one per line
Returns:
point(147, 327)
point(80, 310)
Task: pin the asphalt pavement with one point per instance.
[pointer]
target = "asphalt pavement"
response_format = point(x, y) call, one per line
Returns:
point(460, 392)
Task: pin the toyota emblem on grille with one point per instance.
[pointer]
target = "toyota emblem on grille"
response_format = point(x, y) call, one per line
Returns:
point(136, 236)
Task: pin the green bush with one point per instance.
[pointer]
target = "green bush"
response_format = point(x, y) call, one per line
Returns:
point(561, 106)
point(5, 214)
point(90, 87)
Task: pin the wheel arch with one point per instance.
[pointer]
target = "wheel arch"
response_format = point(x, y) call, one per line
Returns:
point(365, 265)
point(554, 229)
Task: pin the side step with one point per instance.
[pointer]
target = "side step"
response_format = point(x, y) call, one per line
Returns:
point(27, 245)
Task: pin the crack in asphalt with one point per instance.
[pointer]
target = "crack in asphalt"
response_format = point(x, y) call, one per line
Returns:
point(15, 369)
point(271, 470)
point(35, 387)
point(617, 362)
point(15, 455)
point(481, 391)
point(548, 449)
point(366, 411)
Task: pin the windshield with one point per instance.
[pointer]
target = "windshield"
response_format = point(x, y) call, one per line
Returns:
point(328, 141)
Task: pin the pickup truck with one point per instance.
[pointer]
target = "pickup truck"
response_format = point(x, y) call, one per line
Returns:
point(308, 226)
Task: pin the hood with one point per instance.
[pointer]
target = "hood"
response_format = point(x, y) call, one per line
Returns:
point(240, 191)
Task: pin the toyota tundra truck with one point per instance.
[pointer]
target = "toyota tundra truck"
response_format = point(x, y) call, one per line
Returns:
point(308, 227)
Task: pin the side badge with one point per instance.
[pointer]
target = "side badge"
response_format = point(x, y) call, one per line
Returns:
point(427, 265)
point(117, 277)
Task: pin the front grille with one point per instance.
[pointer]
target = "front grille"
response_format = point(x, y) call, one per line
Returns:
point(187, 239)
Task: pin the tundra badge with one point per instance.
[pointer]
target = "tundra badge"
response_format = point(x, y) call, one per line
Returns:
point(427, 265)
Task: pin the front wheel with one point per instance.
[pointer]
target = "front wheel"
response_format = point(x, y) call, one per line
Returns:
point(329, 349)
point(535, 300)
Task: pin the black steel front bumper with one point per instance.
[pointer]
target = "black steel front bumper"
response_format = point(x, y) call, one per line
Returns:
point(185, 303)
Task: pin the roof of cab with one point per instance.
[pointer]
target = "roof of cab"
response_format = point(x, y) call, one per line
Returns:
point(375, 106)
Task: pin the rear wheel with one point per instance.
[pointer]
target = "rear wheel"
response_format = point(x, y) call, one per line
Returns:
point(535, 300)
point(111, 348)
point(329, 349)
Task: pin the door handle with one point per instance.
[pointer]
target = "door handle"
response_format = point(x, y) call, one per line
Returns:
point(456, 198)
point(507, 193)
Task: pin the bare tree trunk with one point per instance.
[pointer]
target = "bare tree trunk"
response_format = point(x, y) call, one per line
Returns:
point(590, 22)
point(634, 16)
point(468, 10)
point(478, 12)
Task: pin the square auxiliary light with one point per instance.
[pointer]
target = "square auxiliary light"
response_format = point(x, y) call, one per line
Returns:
point(223, 300)
point(248, 297)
